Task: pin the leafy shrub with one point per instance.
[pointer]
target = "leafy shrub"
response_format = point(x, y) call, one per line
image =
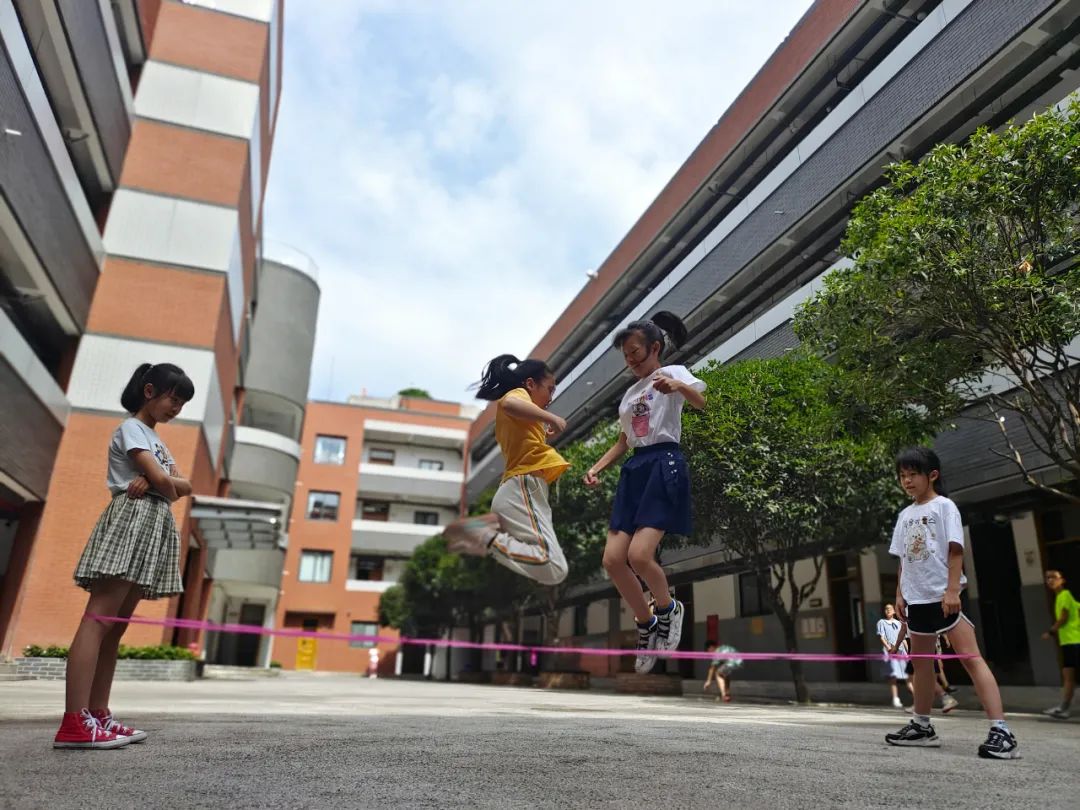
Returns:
point(161, 652)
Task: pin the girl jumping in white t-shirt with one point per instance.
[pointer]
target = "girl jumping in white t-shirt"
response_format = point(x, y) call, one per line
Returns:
point(653, 495)
point(929, 542)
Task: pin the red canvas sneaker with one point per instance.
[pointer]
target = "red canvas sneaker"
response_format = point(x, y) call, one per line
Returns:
point(81, 730)
point(109, 723)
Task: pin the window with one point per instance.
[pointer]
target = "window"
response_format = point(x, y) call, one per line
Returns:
point(426, 518)
point(367, 568)
point(315, 566)
point(323, 505)
point(430, 464)
point(380, 455)
point(375, 510)
point(363, 629)
point(329, 450)
point(751, 600)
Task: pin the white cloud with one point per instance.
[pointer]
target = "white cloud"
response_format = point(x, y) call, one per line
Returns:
point(455, 168)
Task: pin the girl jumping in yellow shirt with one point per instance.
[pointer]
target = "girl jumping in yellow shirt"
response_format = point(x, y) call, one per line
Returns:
point(519, 532)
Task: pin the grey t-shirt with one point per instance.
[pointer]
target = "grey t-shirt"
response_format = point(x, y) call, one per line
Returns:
point(132, 434)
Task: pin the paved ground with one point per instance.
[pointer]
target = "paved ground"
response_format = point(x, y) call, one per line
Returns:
point(335, 741)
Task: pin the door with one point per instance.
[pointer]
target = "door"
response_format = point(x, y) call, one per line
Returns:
point(845, 596)
point(247, 644)
point(1001, 609)
point(306, 647)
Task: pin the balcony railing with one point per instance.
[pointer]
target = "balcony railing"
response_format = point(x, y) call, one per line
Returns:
point(411, 483)
point(377, 537)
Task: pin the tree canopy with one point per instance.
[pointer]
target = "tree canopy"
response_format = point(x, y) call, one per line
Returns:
point(963, 295)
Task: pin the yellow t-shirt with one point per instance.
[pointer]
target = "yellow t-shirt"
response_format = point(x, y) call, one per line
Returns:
point(524, 443)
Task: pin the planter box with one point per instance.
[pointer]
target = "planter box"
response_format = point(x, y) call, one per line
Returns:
point(473, 677)
point(630, 683)
point(563, 680)
point(511, 679)
point(128, 669)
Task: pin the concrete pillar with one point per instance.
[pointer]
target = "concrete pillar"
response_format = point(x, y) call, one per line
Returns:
point(870, 578)
point(1044, 662)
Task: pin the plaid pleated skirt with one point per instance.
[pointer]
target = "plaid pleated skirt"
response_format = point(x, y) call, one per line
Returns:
point(134, 540)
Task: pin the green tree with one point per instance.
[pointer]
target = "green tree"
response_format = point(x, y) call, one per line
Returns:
point(965, 289)
point(787, 468)
point(417, 393)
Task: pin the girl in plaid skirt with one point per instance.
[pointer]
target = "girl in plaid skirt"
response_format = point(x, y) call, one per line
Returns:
point(133, 553)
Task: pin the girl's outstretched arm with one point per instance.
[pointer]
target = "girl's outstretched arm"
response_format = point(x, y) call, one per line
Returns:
point(614, 453)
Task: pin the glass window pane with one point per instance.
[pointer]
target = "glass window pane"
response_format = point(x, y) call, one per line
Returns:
point(323, 505)
point(380, 455)
point(315, 566)
point(329, 450)
point(363, 629)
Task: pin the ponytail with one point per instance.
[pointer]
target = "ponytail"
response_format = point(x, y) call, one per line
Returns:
point(164, 378)
point(662, 327)
point(505, 373)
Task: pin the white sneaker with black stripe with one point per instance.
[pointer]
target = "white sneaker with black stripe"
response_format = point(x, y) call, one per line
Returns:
point(669, 626)
point(914, 735)
point(646, 640)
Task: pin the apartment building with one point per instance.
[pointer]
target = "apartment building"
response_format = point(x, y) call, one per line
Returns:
point(377, 477)
point(744, 232)
point(135, 141)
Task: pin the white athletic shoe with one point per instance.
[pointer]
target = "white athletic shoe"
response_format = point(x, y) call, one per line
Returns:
point(646, 640)
point(897, 704)
point(470, 536)
point(1057, 713)
point(948, 703)
point(669, 627)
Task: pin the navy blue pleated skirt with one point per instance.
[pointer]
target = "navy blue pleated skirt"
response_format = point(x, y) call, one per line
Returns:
point(653, 491)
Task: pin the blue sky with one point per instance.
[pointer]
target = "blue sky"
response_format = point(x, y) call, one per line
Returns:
point(454, 168)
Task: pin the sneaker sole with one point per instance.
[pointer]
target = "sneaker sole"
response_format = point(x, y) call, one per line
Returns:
point(934, 742)
point(647, 667)
point(120, 743)
point(1014, 754)
point(137, 738)
point(947, 709)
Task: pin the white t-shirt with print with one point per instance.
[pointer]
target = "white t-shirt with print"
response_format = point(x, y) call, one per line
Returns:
point(649, 417)
point(921, 541)
point(133, 434)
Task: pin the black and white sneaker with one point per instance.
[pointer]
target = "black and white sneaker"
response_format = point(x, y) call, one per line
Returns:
point(669, 627)
point(646, 640)
point(1000, 744)
point(914, 735)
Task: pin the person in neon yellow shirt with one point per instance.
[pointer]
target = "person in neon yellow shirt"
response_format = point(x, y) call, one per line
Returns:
point(519, 533)
point(1067, 627)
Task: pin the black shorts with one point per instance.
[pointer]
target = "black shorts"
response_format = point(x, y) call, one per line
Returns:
point(1070, 656)
point(928, 620)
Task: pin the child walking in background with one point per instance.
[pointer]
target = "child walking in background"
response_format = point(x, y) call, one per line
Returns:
point(1067, 628)
point(653, 494)
point(929, 540)
point(888, 630)
point(519, 533)
point(133, 553)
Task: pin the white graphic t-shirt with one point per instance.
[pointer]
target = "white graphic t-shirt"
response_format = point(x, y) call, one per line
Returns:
point(921, 541)
point(649, 417)
point(133, 434)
